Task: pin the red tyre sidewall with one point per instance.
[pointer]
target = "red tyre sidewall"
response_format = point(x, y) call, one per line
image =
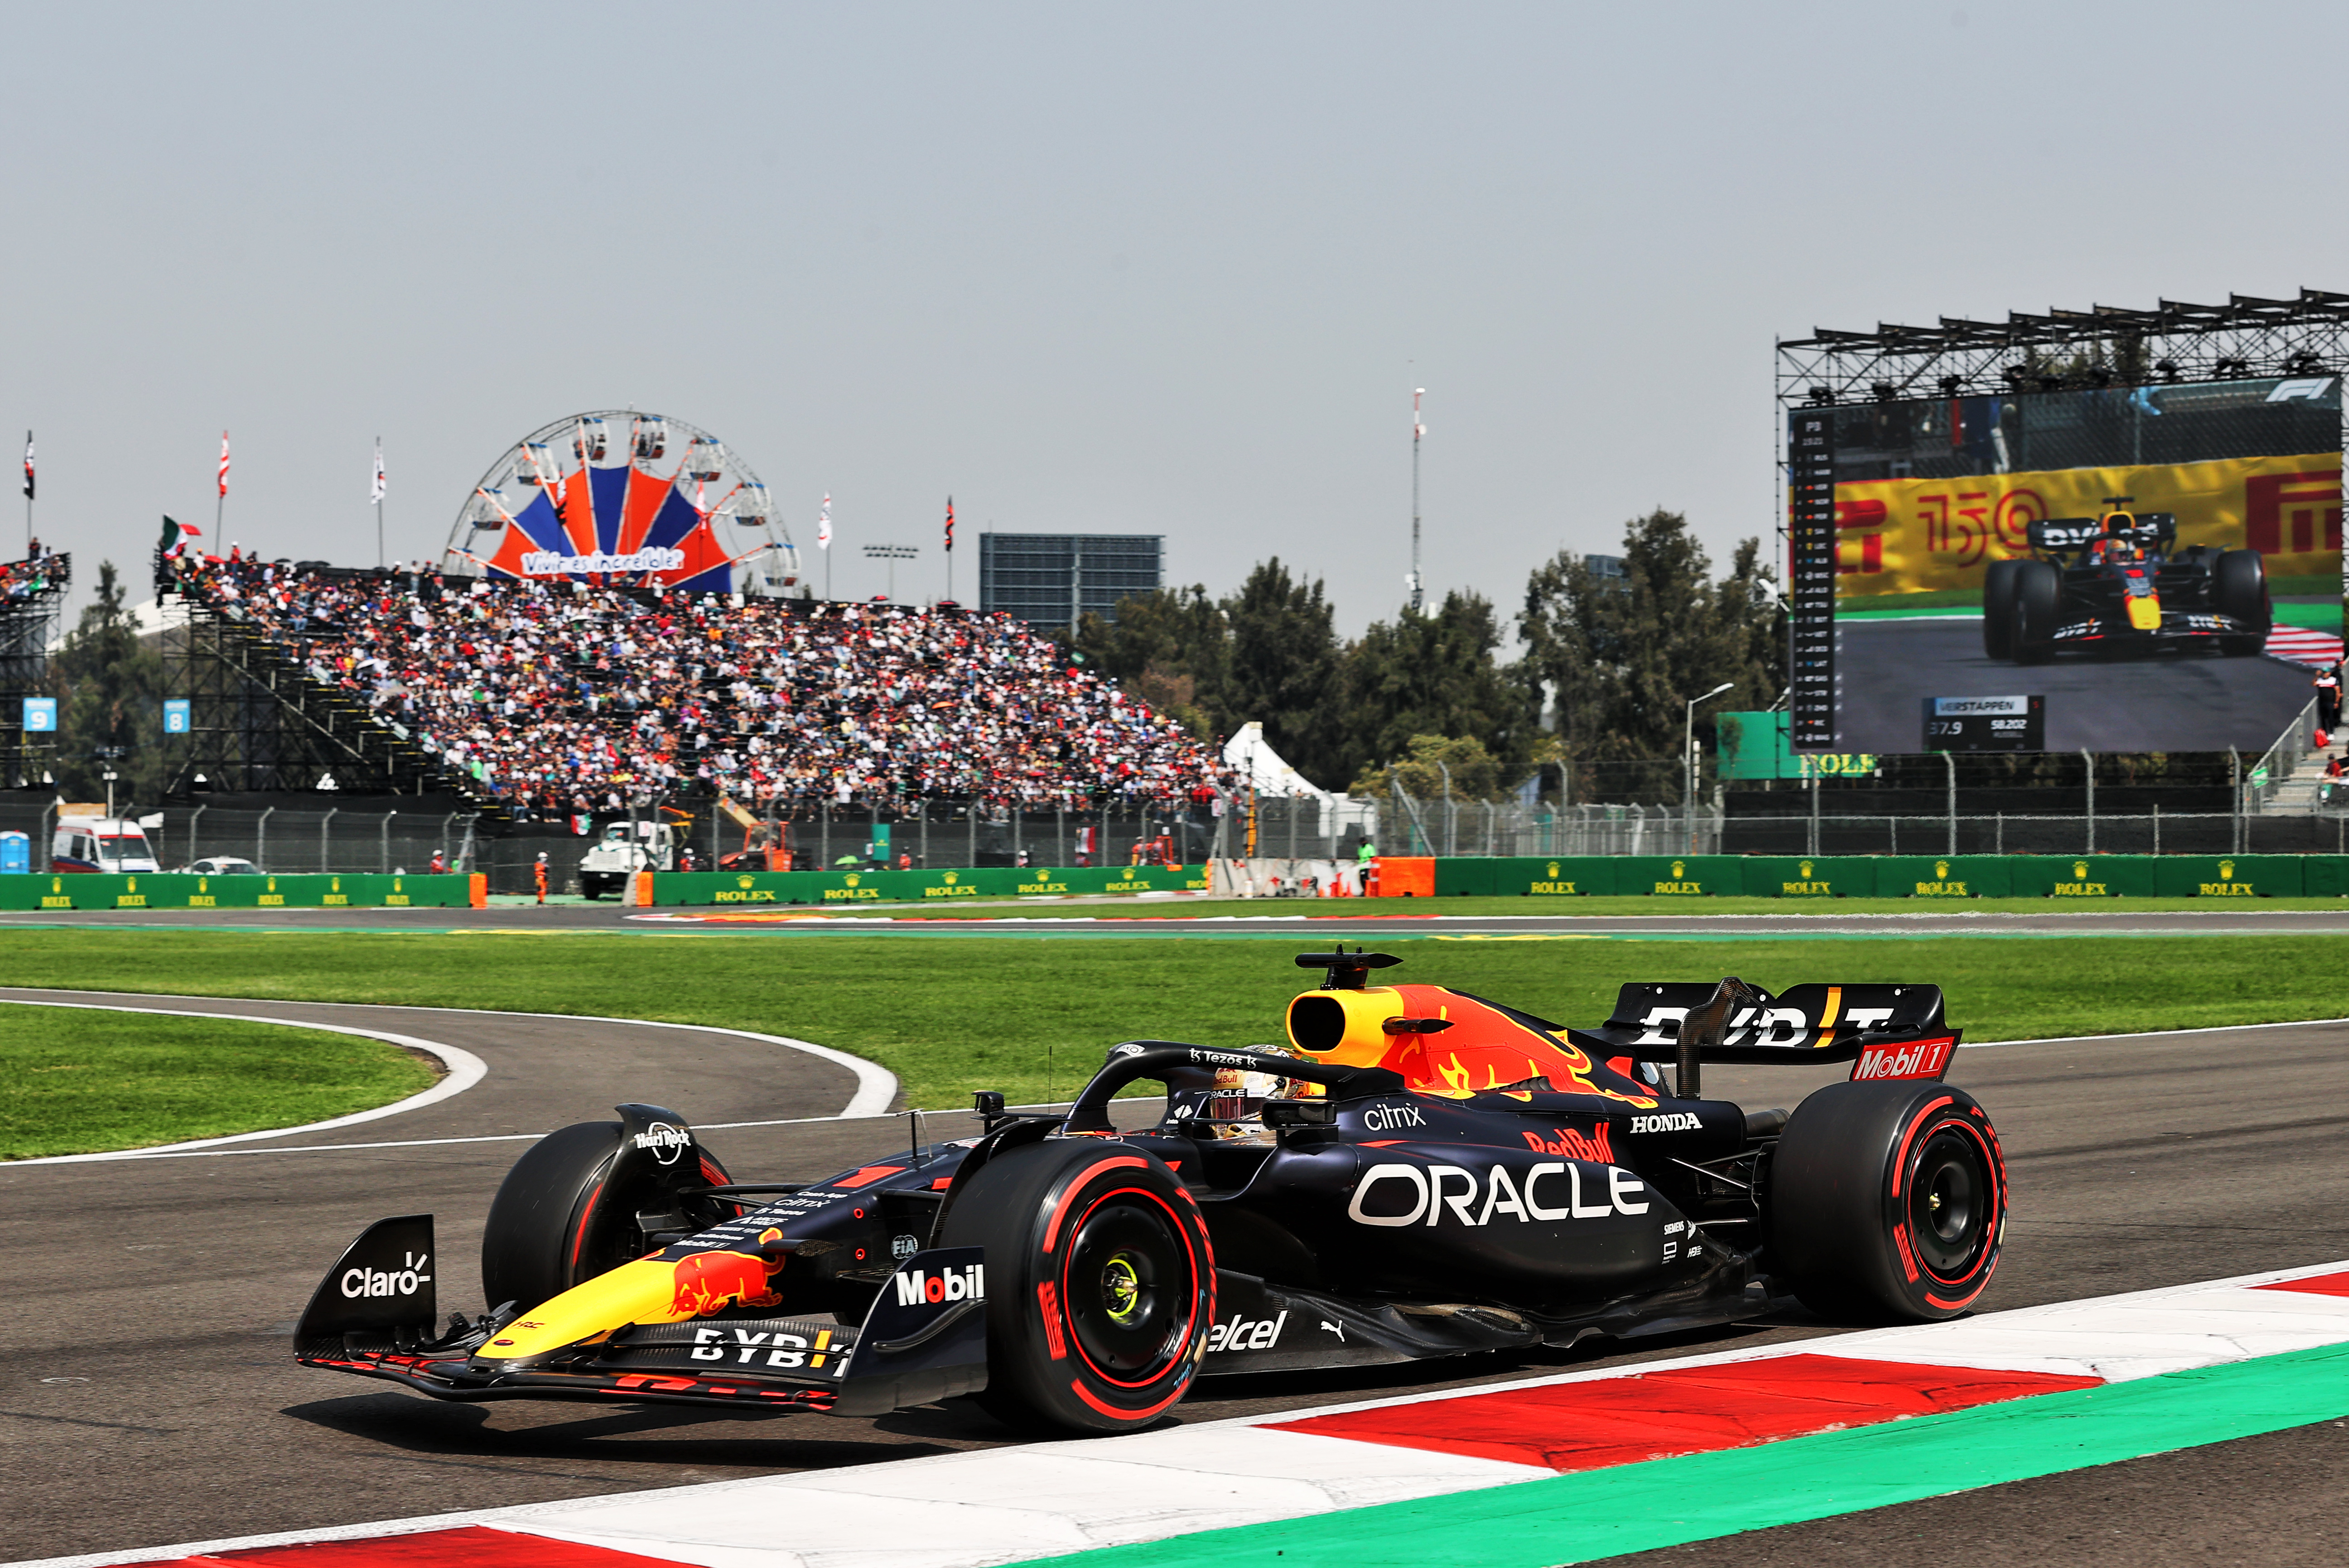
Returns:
point(1035, 1354)
point(1934, 1293)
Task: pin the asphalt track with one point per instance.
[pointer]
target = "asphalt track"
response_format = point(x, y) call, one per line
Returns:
point(147, 1396)
point(2188, 701)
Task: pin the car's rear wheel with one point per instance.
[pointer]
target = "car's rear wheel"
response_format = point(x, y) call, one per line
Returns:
point(1101, 1284)
point(557, 1220)
point(1998, 609)
point(1888, 1200)
point(2238, 589)
point(2038, 605)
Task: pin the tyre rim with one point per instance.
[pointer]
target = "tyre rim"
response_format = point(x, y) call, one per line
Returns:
point(1126, 1289)
point(1950, 1198)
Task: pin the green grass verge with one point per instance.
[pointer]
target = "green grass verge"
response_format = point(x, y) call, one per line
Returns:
point(76, 1082)
point(1033, 1017)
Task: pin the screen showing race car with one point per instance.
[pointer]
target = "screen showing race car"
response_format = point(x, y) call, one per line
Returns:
point(2128, 568)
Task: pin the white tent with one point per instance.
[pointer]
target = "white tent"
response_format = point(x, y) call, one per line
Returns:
point(1257, 763)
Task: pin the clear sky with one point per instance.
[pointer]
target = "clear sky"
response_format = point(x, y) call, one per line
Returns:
point(1169, 269)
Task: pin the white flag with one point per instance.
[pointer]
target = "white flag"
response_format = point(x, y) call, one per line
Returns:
point(824, 525)
point(375, 492)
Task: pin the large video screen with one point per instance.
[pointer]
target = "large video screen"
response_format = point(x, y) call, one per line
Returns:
point(2142, 568)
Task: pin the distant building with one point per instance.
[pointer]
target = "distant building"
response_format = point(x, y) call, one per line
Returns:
point(1048, 579)
point(1608, 569)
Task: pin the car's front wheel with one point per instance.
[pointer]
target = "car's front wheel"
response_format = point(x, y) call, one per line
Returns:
point(1888, 1200)
point(559, 1222)
point(2239, 588)
point(1101, 1283)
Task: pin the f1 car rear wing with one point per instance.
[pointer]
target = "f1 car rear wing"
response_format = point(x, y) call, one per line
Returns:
point(1886, 1031)
point(2146, 529)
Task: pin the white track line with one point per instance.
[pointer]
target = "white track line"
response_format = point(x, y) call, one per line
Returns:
point(464, 1071)
point(1004, 1504)
point(876, 1086)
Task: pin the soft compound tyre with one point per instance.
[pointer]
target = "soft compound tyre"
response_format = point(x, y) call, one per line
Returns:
point(1886, 1201)
point(1101, 1284)
point(2239, 588)
point(556, 1222)
point(1998, 610)
point(2038, 602)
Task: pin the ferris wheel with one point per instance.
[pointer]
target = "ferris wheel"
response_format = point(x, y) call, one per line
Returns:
point(627, 498)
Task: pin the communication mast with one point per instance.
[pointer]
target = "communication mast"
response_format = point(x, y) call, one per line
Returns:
point(1418, 584)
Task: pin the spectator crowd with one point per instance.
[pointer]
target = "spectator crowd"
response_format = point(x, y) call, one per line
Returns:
point(569, 698)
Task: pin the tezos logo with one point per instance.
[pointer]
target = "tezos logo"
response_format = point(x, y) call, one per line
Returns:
point(1668, 1121)
point(403, 1281)
point(918, 1285)
point(666, 1141)
point(1385, 1119)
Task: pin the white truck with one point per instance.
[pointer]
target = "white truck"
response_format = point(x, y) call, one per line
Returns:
point(620, 854)
point(86, 840)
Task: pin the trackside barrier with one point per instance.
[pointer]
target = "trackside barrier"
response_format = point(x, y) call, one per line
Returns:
point(1926, 876)
point(845, 889)
point(179, 890)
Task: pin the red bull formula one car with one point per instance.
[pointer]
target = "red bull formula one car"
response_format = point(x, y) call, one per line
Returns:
point(1421, 1172)
point(2117, 584)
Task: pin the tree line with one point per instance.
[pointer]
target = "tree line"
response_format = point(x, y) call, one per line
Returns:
point(1596, 669)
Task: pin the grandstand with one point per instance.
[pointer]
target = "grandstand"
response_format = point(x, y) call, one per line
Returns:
point(538, 699)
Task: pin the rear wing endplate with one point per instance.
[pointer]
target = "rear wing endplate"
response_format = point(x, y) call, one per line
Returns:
point(1889, 1031)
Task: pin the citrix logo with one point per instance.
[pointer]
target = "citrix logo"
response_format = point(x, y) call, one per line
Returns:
point(1668, 1121)
point(1385, 1119)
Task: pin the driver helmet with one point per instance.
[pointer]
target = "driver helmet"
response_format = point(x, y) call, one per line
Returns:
point(1238, 1096)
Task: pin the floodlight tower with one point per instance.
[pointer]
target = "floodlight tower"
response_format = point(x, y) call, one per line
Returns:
point(1418, 588)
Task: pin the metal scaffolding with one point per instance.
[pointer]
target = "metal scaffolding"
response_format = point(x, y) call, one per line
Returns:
point(34, 597)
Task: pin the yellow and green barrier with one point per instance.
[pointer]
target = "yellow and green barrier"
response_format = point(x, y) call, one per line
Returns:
point(181, 890)
point(846, 889)
point(1922, 877)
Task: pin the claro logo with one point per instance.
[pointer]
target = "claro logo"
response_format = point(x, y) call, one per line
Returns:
point(404, 1281)
point(1435, 1190)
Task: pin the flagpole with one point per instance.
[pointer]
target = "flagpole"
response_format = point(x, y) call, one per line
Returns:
point(29, 494)
point(377, 487)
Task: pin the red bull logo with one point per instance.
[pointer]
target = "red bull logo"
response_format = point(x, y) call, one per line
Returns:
point(1575, 1145)
point(711, 1281)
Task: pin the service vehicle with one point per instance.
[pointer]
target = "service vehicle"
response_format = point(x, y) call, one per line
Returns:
point(2119, 585)
point(624, 850)
point(222, 865)
point(86, 840)
point(1418, 1173)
